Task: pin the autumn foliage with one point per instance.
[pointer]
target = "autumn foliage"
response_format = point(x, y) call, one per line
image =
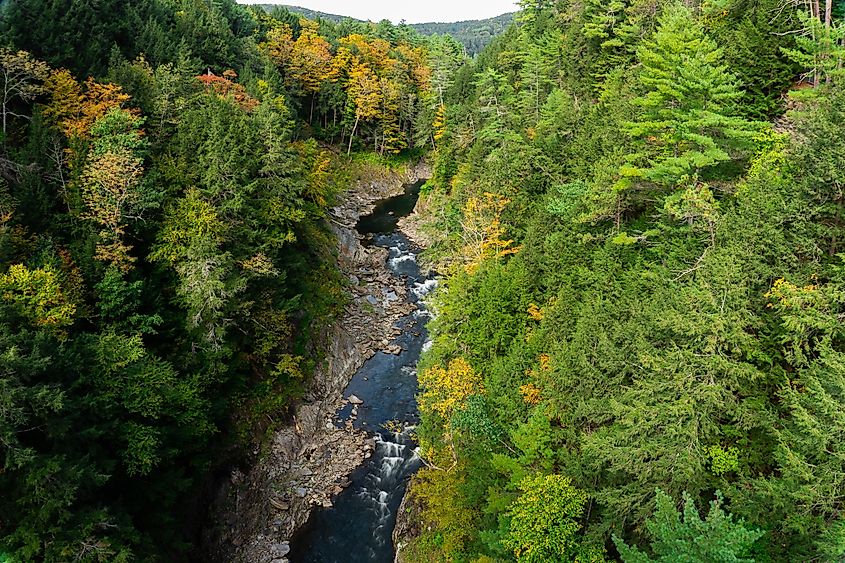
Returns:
point(446, 388)
point(385, 86)
point(74, 107)
point(225, 87)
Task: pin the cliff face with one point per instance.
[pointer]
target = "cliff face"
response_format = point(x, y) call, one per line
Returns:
point(308, 462)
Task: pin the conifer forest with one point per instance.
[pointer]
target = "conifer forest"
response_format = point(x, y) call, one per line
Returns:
point(636, 216)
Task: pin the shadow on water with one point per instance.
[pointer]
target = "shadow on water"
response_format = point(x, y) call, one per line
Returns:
point(359, 526)
point(386, 215)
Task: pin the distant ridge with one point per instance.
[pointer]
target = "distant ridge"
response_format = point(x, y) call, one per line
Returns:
point(474, 35)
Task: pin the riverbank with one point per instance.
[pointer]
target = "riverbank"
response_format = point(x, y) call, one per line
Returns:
point(309, 462)
point(358, 527)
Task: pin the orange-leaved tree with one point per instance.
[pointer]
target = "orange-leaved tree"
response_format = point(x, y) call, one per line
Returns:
point(111, 183)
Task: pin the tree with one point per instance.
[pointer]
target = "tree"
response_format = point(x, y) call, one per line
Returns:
point(804, 495)
point(545, 520)
point(279, 44)
point(446, 389)
point(75, 109)
point(482, 230)
point(536, 77)
point(495, 98)
point(820, 47)
point(37, 295)
point(111, 183)
point(310, 61)
point(444, 57)
point(225, 87)
point(686, 122)
point(190, 242)
point(365, 95)
point(686, 537)
point(819, 152)
point(21, 77)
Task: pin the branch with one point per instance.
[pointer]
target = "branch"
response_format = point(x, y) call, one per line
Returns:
point(694, 267)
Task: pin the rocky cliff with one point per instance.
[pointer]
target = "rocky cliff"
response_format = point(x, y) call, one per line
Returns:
point(308, 462)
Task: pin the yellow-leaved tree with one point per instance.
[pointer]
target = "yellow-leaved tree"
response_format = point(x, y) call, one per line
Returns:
point(366, 95)
point(21, 76)
point(445, 391)
point(38, 296)
point(111, 183)
point(482, 231)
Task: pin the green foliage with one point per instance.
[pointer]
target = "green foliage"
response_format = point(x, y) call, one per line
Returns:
point(166, 264)
point(669, 319)
point(643, 288)
point(38, 296)
point(820, 50)
point(753, 36)
point(686, 109)
point(685, 536)
point(545, 519)
point(723, 460)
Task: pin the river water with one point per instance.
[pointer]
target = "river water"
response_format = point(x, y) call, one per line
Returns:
point(359, 526)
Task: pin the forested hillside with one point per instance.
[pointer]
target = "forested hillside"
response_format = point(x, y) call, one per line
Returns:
point(166, 269)
point(639, 350)
point(637, 211)
point(474, 35)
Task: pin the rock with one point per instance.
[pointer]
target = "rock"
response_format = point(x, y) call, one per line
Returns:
point(354, 400)
point(278, 504)
point(264, 516)
point(280, 549)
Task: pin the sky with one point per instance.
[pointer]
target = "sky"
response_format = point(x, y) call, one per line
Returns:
point(413, 11)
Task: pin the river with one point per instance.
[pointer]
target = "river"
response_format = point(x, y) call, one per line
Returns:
point(358, 527)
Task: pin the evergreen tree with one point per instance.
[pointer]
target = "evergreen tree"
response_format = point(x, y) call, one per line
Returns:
point(686, 537)
point(687, 124)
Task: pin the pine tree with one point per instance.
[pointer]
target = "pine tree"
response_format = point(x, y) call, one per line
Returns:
point(687, 124)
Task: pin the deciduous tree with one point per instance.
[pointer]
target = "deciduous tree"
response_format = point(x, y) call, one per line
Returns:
point(21, 78)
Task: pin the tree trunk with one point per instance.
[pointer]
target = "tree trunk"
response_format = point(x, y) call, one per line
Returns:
point(352, 135)
point(828, 13)
point(5, 107)
point(815, 13)
point(311, 117)
point(836, 221)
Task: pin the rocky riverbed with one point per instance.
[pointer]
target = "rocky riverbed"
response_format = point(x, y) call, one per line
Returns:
point(309, 462)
